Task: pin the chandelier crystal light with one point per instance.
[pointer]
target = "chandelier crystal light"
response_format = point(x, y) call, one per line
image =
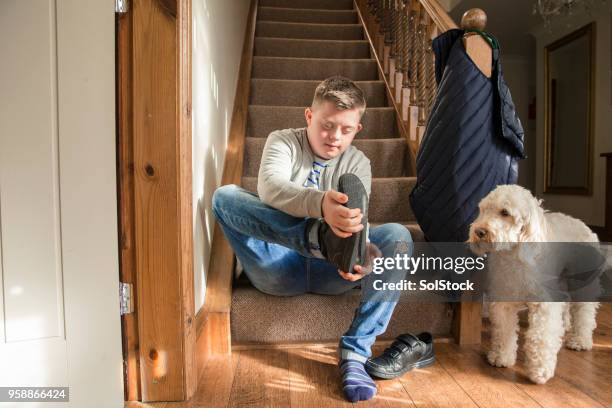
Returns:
point(548, 9)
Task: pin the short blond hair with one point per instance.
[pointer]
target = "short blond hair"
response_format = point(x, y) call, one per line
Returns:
point(342, 92)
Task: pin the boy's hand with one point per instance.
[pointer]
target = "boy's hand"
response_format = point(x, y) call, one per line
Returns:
point(361, 271)
point(342, 220)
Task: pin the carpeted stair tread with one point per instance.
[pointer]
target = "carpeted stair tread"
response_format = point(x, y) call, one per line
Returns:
point(288, 92)
point(296, 15)
point(281, 29)
point(309, 4)
point(388, 157)
point(307, 48)
point(378, 123)
point(313, 68)
point(260, 318)
point(388, 199)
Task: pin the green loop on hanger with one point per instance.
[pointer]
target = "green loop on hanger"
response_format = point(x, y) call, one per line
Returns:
point(488, 37)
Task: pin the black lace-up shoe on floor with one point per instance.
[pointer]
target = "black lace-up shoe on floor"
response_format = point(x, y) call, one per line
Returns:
point(345, 253)
point(405, 353)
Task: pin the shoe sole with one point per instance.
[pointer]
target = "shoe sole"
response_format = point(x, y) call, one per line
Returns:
point(388, 376)
point(350, 185)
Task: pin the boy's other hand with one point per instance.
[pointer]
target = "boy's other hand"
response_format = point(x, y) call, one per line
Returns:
point(342, 220)
point(359, 270)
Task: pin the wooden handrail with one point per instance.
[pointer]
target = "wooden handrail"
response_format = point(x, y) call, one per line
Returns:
point(440, 17)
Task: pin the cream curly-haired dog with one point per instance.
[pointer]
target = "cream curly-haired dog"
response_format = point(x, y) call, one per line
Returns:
point(511, 214)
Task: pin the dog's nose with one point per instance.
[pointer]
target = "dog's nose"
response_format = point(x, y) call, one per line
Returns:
point(481, 233)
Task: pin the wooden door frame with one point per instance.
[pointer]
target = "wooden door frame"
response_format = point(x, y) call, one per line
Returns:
point(154, 185)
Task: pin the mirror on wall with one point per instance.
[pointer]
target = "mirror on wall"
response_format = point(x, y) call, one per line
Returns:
point(569, 65)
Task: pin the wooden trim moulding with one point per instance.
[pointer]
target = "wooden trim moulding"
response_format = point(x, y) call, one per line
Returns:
point(213, 319)
point(125, 202)
point(155, 198)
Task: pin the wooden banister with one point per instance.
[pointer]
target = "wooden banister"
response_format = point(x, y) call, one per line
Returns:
point(401, 33)
point(439, 16)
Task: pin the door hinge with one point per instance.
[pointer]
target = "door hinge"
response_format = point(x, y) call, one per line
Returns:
point(125, 298)
point(121, 6)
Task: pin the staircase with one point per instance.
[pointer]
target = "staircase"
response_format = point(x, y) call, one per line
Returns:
point(297, 44)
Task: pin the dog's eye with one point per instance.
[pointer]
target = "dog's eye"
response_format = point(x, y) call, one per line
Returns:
point(504, 213)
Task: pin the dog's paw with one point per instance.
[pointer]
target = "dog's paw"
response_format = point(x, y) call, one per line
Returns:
point(578, 343)
point(499, 359)
point(540, 375)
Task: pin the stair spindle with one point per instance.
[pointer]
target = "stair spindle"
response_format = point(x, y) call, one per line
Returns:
point(388, 35)
point(405, 44)
point(387, 22)
point(395, 21)
point(430, 61)
point(402, 53)
point(411, 79)
point(394, 52)
point(422, 73)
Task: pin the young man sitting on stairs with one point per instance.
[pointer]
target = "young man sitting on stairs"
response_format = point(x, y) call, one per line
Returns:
point(306, 230)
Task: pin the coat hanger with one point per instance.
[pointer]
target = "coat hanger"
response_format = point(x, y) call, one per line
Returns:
point(479, 49)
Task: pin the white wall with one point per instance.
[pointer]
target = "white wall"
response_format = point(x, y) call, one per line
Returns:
point(519, 73)
point(218, 35)
point(588, 208)
point(448, 5)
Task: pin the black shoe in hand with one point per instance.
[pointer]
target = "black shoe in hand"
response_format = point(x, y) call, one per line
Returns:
point(405, 353)
point(345, 253)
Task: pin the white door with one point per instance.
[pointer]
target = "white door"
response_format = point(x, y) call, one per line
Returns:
point(59, 311)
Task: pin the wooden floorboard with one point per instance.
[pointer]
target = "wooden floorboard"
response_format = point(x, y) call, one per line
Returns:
point(557, 391)
point(261, 380)
point(482, 382)
point(433, 386)
point(461, 377)
point(313, 378)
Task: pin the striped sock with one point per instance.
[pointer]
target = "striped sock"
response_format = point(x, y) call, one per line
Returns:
point(356, 383)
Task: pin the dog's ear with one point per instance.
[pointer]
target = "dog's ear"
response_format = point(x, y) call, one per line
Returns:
point(533, 231)
point(534, 222)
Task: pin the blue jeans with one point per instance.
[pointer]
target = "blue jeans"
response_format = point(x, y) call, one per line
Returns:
point(275, 251)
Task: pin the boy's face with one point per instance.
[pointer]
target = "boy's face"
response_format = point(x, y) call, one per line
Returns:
point(330, 130)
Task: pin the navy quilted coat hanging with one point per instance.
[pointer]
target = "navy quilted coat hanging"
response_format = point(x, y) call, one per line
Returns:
point(472, 143)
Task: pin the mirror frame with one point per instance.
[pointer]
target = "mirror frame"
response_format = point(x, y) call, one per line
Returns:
point(589, 32)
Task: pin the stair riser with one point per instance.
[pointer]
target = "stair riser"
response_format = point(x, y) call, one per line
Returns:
point(282, 47)
point(378, 123)
point(309, 4)
point(309, 31)
point(313, 69)
point(387, 158)
point(312, 16)
point(260, 318)
point(300, 93)
point(388, 201)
